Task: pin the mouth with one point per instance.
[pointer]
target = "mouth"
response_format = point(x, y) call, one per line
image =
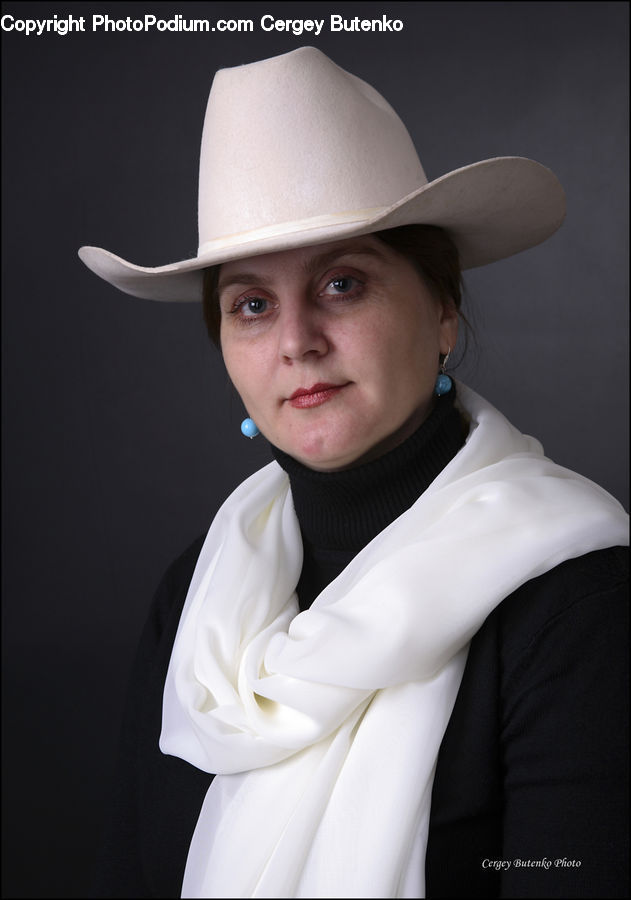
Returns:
point(316, 395)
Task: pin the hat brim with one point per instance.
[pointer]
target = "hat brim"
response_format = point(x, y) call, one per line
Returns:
point(492, 209)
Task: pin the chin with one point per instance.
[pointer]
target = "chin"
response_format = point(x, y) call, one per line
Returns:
point(325, 456)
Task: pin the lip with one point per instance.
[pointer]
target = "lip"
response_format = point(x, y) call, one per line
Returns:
point(316, 395)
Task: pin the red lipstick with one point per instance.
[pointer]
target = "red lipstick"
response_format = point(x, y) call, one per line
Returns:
point(316, 395)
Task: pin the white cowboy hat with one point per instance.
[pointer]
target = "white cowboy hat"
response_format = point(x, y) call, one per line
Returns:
point(296, 151)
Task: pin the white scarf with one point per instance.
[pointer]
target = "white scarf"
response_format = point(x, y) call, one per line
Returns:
point(324, 726)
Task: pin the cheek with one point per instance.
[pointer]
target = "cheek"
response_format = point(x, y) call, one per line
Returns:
point(243, 370)
point(370, 343)
point(411, 352)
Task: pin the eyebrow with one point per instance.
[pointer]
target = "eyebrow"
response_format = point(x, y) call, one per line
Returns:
point(314, 263)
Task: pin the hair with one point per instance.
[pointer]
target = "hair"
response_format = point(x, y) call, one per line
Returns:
point(430, 249)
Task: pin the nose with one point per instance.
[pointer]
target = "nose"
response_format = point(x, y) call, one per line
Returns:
point(301, 332)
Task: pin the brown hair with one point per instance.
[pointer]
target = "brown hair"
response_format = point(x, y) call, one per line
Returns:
point(429, 248)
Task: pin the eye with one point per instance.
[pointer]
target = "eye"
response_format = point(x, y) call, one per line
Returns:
point(342, 286)
point(252, 306)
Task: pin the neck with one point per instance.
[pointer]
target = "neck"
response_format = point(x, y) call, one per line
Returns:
point(340, 512)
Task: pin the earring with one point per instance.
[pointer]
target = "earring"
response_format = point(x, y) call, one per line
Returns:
point(443, 382)
point(249, 429)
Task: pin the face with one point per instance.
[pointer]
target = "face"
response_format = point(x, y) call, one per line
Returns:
point(333, 349)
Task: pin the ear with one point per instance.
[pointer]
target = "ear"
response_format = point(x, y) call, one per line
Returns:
point(448, 326)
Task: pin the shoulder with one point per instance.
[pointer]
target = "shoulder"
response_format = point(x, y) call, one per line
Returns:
point(559, 653)
point(555, 647)
point(585, 597)
point(589, 589)
point(168, 601)
point(180, 571)
point(599, 573)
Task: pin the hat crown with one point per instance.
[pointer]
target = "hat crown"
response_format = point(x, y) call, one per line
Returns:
point(296, 138)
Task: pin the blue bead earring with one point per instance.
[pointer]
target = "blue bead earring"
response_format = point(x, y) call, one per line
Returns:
point(443, 382)
point(249, 429)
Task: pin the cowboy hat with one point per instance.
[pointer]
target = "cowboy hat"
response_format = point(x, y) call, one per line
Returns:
point(296, 151)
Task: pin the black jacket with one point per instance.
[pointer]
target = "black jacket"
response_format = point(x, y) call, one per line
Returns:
point(532, 770)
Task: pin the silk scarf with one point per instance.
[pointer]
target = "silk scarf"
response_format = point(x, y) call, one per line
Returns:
point(323, 727)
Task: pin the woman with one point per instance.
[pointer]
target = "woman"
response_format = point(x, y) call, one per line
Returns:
point(393, 667)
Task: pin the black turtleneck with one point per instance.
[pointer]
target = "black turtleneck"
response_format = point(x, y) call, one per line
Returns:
point(340, 512)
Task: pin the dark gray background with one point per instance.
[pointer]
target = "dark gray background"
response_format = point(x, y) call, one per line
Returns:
point(121, 434)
